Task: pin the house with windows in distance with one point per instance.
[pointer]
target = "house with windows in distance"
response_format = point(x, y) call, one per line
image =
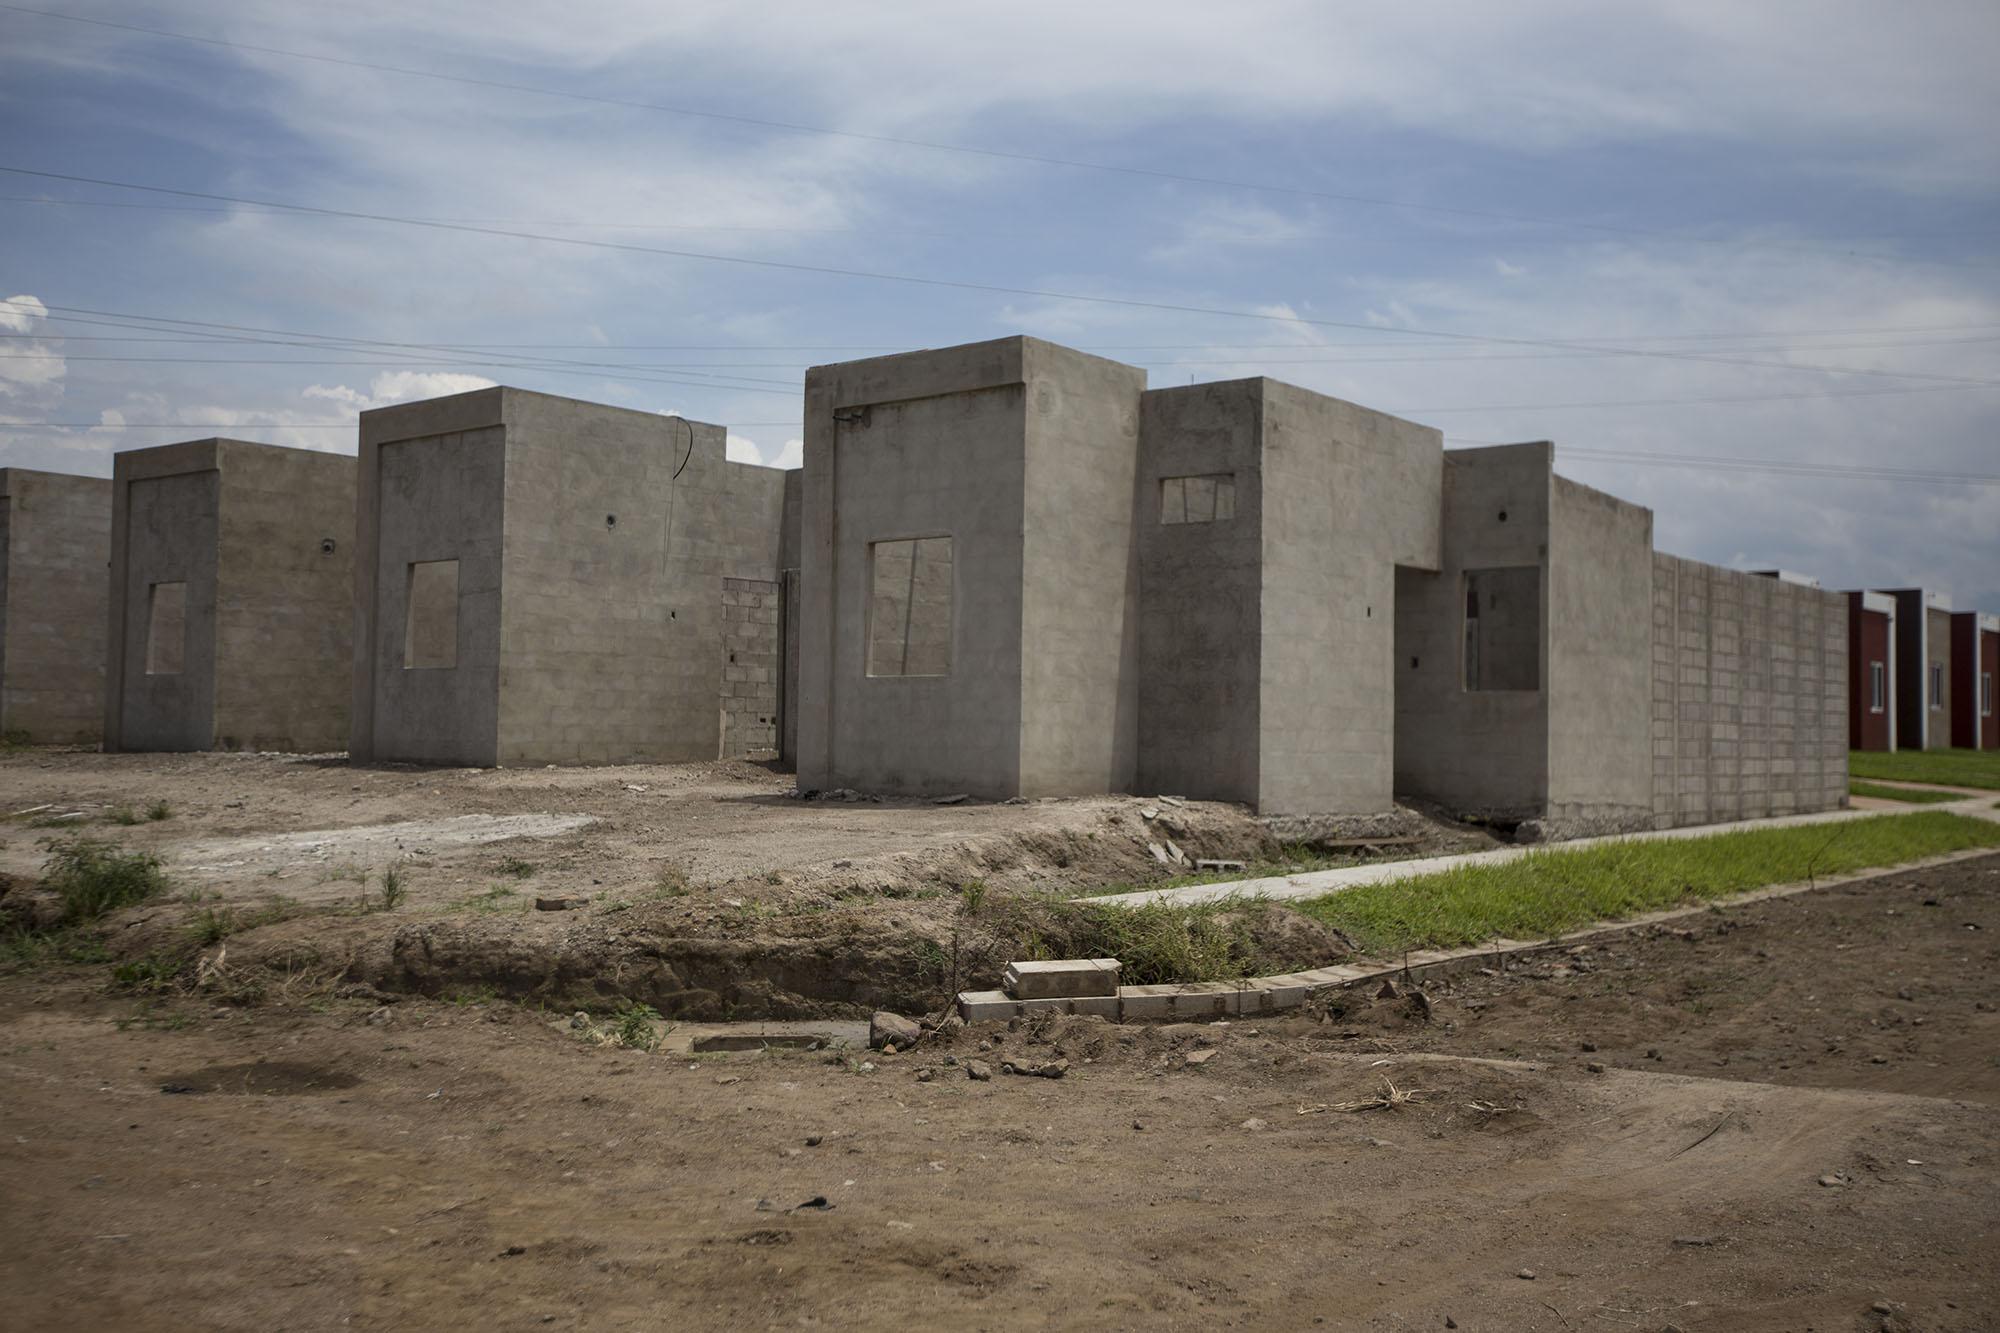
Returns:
point(1871, 670)
point(1975, 661)
point(1921, 673)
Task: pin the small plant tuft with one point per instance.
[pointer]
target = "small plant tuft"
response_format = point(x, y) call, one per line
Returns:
point(393, 888)
point(158, 811)
point(122, 814)
point(93, 878)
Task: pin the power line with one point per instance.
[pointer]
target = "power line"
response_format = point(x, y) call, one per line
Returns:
point(1686, 402)
point(956, 284)
point(1002, 154)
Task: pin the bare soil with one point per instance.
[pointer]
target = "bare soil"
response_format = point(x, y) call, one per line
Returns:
point(329, 1160)
point(709, 891)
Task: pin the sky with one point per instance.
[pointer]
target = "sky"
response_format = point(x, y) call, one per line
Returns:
point(1740, 262)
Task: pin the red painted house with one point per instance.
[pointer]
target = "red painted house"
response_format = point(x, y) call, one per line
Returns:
point(1871, 671)
point(1975, 664)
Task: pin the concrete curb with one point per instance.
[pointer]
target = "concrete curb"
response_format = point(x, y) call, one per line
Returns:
point(1264, 995)
point(1319, 883)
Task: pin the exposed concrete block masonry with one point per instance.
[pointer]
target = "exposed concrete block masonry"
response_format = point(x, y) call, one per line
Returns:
point(540, 580)
point(55, 553)
point(230, 595)
point(1025, 574)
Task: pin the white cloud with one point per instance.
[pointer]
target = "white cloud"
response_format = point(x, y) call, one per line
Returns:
point(790, 454)
point(396, 386)
point(740, 450)
point(32, 369)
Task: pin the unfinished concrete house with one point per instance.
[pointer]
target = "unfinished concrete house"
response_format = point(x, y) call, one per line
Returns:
point(1975, 662)
point(1561, 671)
point(1026, 575)
point(1922, 696)
point(545, 581)
point(231, 580)
point(1871, 671)
point(55, 548)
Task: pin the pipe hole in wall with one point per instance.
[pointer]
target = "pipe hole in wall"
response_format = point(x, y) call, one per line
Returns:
point(1413, 664)
point(611, 520)
point(326, 546)
point(1503, 516)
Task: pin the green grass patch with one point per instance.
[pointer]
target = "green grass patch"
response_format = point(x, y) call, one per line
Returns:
point(1911, 795)
point(1947, 768)
point(93, 878)
point(1548, 892)
point(1156, 942)
point(1291, 859)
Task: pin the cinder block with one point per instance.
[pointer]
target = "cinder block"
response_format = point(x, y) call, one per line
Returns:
point(986, 1006)
point(1064, 977)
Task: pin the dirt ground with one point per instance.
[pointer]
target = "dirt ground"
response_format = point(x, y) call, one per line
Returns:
point(709, 891)
point(1812, 1147)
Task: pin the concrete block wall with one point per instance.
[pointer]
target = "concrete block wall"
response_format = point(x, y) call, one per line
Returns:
point(604, 560)
point(256, 534)
point(55, 555)
point(1024, 455)
point(751, 672)
point(1749, 715)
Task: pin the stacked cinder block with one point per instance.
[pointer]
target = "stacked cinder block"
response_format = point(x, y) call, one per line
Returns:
point(55, 546)
point(752, 646)
point(1750, 695)
point(230, 598)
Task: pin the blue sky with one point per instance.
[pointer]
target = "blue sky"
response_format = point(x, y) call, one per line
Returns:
point(1621, 205)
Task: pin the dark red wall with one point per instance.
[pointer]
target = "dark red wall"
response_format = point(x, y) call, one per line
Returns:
point(1867, 641)
point(1963, 684)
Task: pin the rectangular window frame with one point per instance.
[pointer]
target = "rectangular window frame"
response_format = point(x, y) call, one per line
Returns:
point(157, 658)
point(872, 664)
point(412, 639)
point(1197, 498)
point(1878, 687)
point(1937, 686)
point(1986, 694)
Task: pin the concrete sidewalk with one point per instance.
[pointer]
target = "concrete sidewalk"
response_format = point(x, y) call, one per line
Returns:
point(1319, 883)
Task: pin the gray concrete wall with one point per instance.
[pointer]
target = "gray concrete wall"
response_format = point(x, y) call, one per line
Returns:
point(1600, 683)
point(595, 547)
point(431, 488)
point(55, 555)
point(1080, 574)
point(166, 523)
point(1474, 751)
point(1937, 647)
point(1749, 695)
point(1200, 603)
point(610, 631)
point(285, 574)
point(1348, 496)
point(921, 445)
point(752, 647)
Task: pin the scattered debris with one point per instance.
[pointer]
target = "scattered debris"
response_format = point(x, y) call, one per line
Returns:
point(978, 1071)
point(567, 902)
point(1525, 1274)
point(1253, 1123)
point(1210, 863)
point(816, 1204)
point(1200, 1057)
point(956, 798)
point(1035, 1068)
point(1390, 1097)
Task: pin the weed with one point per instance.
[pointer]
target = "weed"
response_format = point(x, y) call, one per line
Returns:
point(121, 814)
point(497, 898)
point(211, 926)
point(393, 888)
point(15, 739)
point(150, 975)
point(471, 995)
point(672, 882)
point(346, 870)
point(1156, 942)
point(972, 896)
point(1547, 892)
point(36, 948)
point(635, 1029)
point(93, 878)
point(159, 810)
point(516, 867)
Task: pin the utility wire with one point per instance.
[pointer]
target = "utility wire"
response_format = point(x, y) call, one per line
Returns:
point(954, 284)
point(1002, 154)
